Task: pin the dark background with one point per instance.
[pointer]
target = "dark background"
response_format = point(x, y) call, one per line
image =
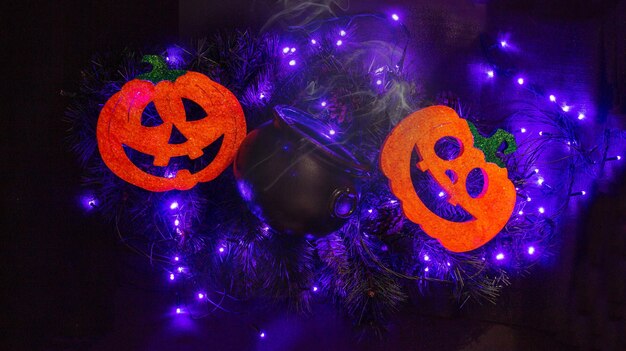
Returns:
point(67, 284)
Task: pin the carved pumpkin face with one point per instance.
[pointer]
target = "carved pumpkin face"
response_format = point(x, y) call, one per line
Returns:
point(490, 209)
point(119, 126)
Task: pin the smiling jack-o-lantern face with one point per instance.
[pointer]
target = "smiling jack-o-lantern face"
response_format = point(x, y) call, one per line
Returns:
point(490, 209)
point(119, 126)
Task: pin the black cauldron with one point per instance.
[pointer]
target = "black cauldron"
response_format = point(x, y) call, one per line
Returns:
point(295, 177)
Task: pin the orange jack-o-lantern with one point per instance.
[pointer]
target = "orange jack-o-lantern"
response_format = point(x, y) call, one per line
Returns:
point(119, 126)
point(490, 209)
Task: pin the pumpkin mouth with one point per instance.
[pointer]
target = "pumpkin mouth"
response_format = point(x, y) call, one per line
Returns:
point(145, 162)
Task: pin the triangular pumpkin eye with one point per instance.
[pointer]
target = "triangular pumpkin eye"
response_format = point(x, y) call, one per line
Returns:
point(150, 117)
point(193, 111)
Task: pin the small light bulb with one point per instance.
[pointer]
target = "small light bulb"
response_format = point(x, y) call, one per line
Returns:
point(536, 170)
point(262, 334)
point(339, 42)
point(293, 50)
point(176, 222)
point(520, 212)
point(503, 43)
point(395, 17)
point(342, 33)
point(523, 130)
point(221, 249)
point(500, 256)
point(529, 199)
point(426, 269)
point(618, 157)
point(490, 74)
point(285, 50)
point(323, 103)
point(552, 98)
point(565, 108)
point(176, 258)
point(261, 96)
point(531, 250)
point(200, 296)
point(172, 276)
point(581, 116)
point(331, 132)
point(379, 82)
point(542, 210)
point(540, 181)
point(441, 194)
point(541, 133)
point(174, 205)
point(313, 41)
point(370, 211)
point(520, 81)
point(292, 63)
point(315, 289)
point(181, 269)
point(179, 310)
point(584, 193)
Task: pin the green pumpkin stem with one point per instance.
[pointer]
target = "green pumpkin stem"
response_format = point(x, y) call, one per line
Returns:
point(160, 71)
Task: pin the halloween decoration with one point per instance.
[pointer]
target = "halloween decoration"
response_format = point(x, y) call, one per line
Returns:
point(120, 126)
point(491, 208)
point(294, 177)
point(490, 145)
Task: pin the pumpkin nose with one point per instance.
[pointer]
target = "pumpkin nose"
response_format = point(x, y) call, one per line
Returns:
point(176, 137)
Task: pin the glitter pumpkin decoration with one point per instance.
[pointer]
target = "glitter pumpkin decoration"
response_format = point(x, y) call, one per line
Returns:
point(120, 126)
point(490, 209)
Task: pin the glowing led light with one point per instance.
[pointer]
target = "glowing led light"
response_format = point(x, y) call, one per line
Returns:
point(393, 201)
point(200, 296)
point(541, 133)
point(426, 269)
point(176, 258)
point(540, 181)
point(176, 222)
point(339, 42)
point(520, 81)
point(448, 264)
point(581, 116)
point(536, 170)
point(379, 82)
point(370, 211)
point(441, 194)
point(529, 199)
point(285, 50)
point(313, 41)
point(174, 205)
point(262, 334)
point(500, 256)
point(342, 33)
point(323, 104)
point(181, 269)
point(172, 276)
point(179, 310)
point(261, 96)
point(531, 250)
point(523, 130)
point(552, 98)
point(292, 63)
point(520, 212)
point(618, 157)
point(221, 249)
point(395, 17)
point(565, 108)
point(490, 74)
point(503, 43)
point(92, 203)
point(584, 193)
point(315, 289)
point(293, 50)
point(331, 132)
point(541, 210)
